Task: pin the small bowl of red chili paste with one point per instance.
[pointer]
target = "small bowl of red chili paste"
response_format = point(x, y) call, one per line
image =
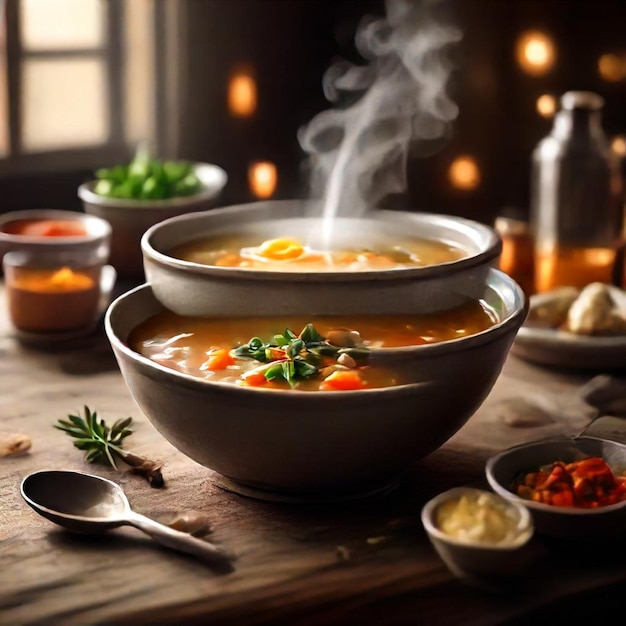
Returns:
point(572, 487)
point(64, 232)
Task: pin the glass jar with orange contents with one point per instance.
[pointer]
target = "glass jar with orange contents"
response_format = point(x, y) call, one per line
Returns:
point(517, 257)
point(46, 295)
point(576, 201)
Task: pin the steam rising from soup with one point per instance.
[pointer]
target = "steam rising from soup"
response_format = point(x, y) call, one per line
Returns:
point(395, 101)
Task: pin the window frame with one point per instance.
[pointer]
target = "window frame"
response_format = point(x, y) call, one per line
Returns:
point(116, 148)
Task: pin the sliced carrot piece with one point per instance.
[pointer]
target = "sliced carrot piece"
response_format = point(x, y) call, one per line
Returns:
point(229, 260)
point(254, 379)
point(346, 257)
point(219, 359)
point(342, 381)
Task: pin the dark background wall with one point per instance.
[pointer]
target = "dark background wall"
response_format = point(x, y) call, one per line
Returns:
point(290, 43)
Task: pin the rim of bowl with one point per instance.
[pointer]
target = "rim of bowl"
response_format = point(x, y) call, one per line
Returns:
point(511, 321)
point(212, 177)
point(101, 229)
point(512, 497)
point(490, 252)
point(525, 526)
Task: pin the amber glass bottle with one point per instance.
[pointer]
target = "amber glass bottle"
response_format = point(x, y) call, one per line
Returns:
point(577, 216)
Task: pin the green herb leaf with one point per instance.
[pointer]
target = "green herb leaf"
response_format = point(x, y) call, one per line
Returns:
point(275, 372)
point(310, 335)
point(304, 369)
point(294, 348)
point(95, 436)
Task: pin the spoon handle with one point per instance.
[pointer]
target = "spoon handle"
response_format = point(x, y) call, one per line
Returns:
point(177, 540)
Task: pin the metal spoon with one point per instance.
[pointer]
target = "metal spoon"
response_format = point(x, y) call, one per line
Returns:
point(90, 504)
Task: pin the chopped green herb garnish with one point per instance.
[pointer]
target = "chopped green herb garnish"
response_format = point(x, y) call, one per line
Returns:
point(295, 357)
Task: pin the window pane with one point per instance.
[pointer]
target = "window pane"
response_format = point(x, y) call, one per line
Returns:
point(139, 74)
point(61, 24)
point(64, 103)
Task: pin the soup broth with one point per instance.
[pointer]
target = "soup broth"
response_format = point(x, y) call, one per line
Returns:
point(223, 350)
point(290, 254)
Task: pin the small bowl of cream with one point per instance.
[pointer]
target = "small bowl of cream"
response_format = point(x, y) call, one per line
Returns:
point(478, 532)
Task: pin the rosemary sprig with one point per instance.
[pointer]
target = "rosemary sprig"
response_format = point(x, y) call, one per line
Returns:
point(103, 444)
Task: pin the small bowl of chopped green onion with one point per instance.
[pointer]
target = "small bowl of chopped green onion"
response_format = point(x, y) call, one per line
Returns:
point(134, 196)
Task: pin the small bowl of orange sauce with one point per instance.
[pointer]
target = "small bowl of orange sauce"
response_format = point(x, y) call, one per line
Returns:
point(66, 234)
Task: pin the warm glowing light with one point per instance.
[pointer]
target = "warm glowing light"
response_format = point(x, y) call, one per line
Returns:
point(242, 93)
point(535, 52)
point(464, 173)
point(612, 67)
point(546, 105)
point(262, 178)
point(618, 145)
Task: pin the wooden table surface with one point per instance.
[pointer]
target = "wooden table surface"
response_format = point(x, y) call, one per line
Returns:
point(361, 563)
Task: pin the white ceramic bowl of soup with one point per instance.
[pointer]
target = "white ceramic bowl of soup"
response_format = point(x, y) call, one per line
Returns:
point(453, 259)
point(318, 444)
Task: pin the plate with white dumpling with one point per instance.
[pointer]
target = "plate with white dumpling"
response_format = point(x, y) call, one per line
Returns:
point(581, 328)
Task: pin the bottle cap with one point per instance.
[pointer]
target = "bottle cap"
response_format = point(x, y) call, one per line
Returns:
point(582, 100)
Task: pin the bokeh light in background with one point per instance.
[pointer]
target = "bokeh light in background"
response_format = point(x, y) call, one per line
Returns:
point(262, 178)
point(612, 67)
point(242, 93)
point(546, 105)
point(618, 145)
point(464, 173)
point(535, 53)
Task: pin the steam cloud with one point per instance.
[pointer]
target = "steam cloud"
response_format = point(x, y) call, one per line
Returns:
point(359, 149)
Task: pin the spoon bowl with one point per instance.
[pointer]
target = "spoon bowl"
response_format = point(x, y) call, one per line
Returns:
point(85, 503)
point(80, 502)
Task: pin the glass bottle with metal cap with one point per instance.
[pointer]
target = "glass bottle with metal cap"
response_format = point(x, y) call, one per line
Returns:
point(577, 217)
